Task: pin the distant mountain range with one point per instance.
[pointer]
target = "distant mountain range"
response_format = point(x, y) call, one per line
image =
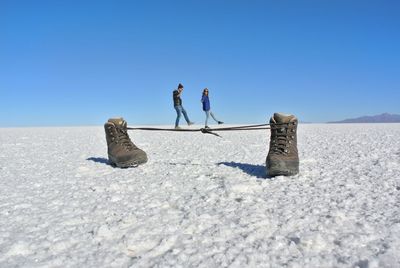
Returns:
point(381, 118)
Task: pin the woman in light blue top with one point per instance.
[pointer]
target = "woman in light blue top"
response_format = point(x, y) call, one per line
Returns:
point(205, 100)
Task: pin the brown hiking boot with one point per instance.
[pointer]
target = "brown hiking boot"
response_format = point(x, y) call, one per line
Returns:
point(122, 152)
point(283, 157)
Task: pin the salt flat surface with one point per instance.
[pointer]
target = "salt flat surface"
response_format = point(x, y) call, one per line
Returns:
point(200, 201)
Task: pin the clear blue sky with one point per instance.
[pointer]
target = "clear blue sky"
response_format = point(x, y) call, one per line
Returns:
point(77, 62)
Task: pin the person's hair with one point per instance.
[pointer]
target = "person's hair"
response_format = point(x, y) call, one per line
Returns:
point(180, 86)
point(204, 91)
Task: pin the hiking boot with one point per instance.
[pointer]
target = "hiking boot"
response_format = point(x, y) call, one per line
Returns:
point(190, 123)
point(122, 152)
point(220, 122)
point(283, 157)
point(178, 128)
point(207, 127)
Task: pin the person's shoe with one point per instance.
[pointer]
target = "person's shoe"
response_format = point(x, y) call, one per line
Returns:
point(177, 127)
point(122, 152)
point(220, 122)
point(283, 157)
point(190, 123)
point(207, 127)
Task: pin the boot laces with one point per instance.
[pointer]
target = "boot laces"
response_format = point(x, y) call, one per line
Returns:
point(282, 137)
point(123, 138)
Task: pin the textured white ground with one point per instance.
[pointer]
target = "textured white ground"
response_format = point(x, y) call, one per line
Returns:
point(200, 201)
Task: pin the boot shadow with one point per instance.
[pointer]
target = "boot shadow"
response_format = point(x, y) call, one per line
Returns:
point(257, 171)
point(100, 160)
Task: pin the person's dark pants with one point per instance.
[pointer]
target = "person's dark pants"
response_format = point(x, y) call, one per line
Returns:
point(179, 111)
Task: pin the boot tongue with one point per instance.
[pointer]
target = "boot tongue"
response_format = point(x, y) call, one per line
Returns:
point(281, 118)
point(120, 122)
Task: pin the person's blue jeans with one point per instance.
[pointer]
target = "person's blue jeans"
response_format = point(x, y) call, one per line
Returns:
point(208, 113)
point(179, 111)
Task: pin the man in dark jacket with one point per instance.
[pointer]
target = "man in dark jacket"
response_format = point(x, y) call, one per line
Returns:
point(178, 106)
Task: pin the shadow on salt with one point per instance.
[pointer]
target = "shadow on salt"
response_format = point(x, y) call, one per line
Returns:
point(257, 171)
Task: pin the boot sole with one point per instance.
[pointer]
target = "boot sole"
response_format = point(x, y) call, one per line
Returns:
point(127, 164)
point(282, 168)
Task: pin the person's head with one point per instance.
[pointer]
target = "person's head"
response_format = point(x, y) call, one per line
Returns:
point(180, 87)
point(205, 91)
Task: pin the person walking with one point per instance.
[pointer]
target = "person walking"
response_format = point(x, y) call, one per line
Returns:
point(205, 100)
point(179, 108)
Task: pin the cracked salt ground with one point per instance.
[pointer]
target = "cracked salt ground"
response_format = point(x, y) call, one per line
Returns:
point(200, 201)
